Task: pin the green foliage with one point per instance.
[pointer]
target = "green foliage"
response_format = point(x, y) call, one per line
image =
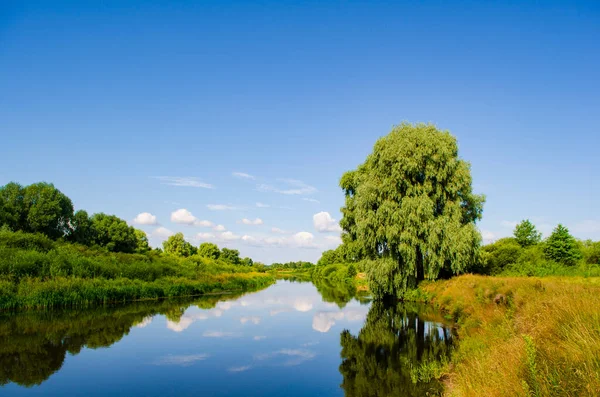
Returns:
point(209, 250)
point(247, 261)
point(37, 208)
point(396, 353)
point(411, 204)
point(82, 229)
point(328, 257)
point(113, 233)
point(177, 245)
point(561, 247)
point(230, 255)
point(65, 274)
point(141, 242)
point(12, 208)
point(591, 252)
point(500, 254)
point(526, 234)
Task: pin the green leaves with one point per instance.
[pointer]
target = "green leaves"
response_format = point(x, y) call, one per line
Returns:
point(561, 247)
point(411, 203)
point(526, 234)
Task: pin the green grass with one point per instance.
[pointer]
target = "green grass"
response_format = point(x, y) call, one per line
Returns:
point(521, 336)
point(36, 272)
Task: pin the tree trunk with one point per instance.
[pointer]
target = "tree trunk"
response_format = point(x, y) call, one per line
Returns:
point(420, 266)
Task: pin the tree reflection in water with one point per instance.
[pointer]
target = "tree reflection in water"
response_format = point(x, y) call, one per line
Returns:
point(34, 344)
point(394, 343)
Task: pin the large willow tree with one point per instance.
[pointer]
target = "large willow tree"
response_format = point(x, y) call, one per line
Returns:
point(410, 206)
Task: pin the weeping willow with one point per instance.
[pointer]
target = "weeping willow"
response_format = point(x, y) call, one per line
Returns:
point(411, 208)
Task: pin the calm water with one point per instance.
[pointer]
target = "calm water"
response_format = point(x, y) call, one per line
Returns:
point(287, 340)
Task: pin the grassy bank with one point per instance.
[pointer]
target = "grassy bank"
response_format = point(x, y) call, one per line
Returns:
point(36, 272)
point(521, 336)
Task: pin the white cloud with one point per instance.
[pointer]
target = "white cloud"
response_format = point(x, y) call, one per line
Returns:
point(145, 322)
point(228, 236)
point(325, 223)
point(278, 230)
point(185, 217)
point(311, 200)
point(323, 321)
point(162, 232)
point(256, 221)
point(262, 205)
point(298, 240)
point(218, 334)
point(239, 369)
point(145, 218)
point(243, 175)
point(182, 360)
point(588, 226)
point(488, 236)
point(304, 239)
point(259, 337)
point(219, 228)
point(186, 181)
point(295, 356)
point(293, 187)
point(205, 236)
point(220, 207)
point(333, 240)
point(250, 319)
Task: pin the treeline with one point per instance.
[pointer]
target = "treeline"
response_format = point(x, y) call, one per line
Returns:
point(176, 245)
point(42, 208)
point(51, 257)
point(525, 253)
point(300, 265)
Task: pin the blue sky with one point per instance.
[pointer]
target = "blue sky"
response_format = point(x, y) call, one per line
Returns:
point(134, 107)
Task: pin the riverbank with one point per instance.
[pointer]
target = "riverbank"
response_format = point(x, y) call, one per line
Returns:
point(521, 336)
point(37, 273)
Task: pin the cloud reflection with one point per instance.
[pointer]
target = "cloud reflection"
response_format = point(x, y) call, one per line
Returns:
point(181, 360)
point(239, 369)
point(293, 356)
point(323, 321)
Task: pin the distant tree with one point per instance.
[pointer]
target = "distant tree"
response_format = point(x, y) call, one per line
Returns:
point(47, 210)
point(12, 209)
point(411, 205)
point(230, 255)
point(561, 247)
point(177, 246)
point(497, 256)
point(247, 261)
point(113, 233)
point(526, 234)
point(209, 250)
point(82, 230)
point(142, 245)
point(591, 252)
point(328, 257)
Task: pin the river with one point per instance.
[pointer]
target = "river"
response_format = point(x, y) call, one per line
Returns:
point(291, 339)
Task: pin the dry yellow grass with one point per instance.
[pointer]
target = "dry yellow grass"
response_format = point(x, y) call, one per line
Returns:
point(541, 339)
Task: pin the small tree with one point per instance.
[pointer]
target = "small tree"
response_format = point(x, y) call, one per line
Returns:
point(561, 247)
point(526, 234)
point(231, 256)
point(177, 246)
point(142, 242)
point(114, 233)
point(209, 250)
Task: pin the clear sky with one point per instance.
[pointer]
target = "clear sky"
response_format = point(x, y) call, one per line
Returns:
point(151, 107)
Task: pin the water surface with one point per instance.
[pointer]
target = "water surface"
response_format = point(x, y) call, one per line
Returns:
point(290, 339)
